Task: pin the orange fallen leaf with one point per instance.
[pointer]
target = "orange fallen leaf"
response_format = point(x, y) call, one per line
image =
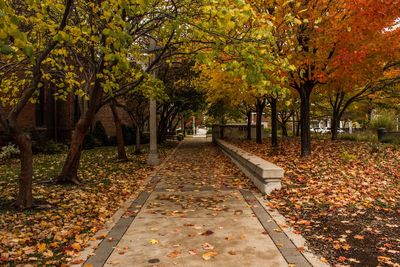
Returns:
point(76, 246)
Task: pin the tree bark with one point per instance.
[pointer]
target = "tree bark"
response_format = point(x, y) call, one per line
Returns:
point(274, 122)
point(248, 125)
point(284, 129)
point(138, 143)
point(298, 130)
point(260, 105)
point(120, 137)
point(334, 126)
point(69, 173)
point(24, 199)
point(183, 125)
point(305, 121)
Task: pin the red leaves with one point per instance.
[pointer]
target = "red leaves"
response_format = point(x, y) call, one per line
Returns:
point(345, 180)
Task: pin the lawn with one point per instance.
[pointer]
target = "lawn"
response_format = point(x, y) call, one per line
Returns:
point(68, 215)
point(344, 199)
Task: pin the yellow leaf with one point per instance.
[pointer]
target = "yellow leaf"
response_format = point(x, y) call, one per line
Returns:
point(153, 241)
point(208, 255)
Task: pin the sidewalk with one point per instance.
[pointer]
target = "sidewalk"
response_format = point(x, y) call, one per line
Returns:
point(196, 212)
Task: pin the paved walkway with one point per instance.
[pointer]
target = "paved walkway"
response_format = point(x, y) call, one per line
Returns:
point(195, 212)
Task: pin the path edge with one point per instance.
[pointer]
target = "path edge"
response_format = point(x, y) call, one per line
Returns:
point(297, 239)
point(101, 234)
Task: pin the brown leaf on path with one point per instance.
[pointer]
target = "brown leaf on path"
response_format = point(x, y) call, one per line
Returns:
point(207, 233)
point(238, 212)
point(207, 246)
point(193, 252)
point(174, 254)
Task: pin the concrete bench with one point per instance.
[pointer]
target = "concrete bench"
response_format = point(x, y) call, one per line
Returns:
point(265, 175)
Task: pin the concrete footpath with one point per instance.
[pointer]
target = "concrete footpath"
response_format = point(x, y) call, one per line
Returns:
point(199, 210)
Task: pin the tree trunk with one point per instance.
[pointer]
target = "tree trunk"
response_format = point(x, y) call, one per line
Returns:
point(69, 173)
point(138, 144)
point(334, 126)
point(305, 122)
point(260, 108)
point(183, 125)
point(249, 125)
point(120, 137)
point(284, 129)
point(24, 199)
point(274, 122)
point(294, 124)
point(298, 130)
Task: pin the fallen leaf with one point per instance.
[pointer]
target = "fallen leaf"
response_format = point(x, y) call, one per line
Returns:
point(207, 233)
point(208, 246)
point(153, 241)
point(174, 254)
point(208, 255)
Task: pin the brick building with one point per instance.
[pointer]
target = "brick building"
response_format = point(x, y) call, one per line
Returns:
point(56, 119)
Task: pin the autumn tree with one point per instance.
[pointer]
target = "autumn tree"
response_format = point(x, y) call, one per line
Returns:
point(312, 34)
point(181, 95)
point(126, 40)
point(31, 36)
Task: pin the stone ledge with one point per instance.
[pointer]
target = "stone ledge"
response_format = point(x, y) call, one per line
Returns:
point(265, 175)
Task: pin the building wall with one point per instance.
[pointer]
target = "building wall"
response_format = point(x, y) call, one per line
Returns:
point(105, 116)
point(59, 118)
point(27, 117)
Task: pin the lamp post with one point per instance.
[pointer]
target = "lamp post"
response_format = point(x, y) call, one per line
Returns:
point(153, 158)
point(194, 125)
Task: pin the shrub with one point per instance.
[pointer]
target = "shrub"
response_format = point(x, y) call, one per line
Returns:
point(89, 142)
point(112, 141)
point(383, 121)
point(48, 147)
point(359, 137)
point(99, 133)
point(52, 147)
point(8, 152)
point(391, 140)
point(348, 137)
point(129, 134)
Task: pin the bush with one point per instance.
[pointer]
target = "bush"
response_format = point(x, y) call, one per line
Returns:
point(391, 140)
point(89, 142)
point(112, 141)
point(359, 137)
point(383, 121)
point(8, 152)
point(48, 147)
point(99, 133)
point(129, 134)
